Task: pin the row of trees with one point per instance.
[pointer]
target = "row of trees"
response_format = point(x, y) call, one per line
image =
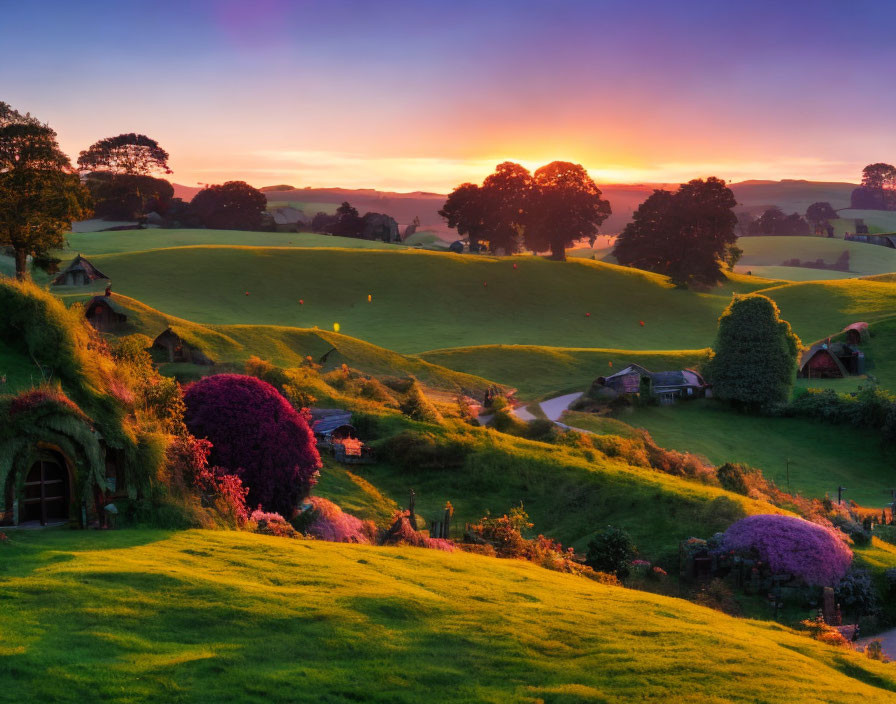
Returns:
point(348, 223)
point(513, 208)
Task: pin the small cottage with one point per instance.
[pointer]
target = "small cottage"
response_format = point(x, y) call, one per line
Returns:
point(104, 314)
point(288, 219)
point(79, 273)
point(666, 386)
point(178, 349)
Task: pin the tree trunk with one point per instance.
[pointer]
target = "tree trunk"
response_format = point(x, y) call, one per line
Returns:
point(558, 251)
point(21, 264)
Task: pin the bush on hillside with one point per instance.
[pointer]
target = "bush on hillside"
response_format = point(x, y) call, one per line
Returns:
point(257, 435)
point(327, 521)
point(611, 550)
point(732, 477)
point(871, 407)
point(755, 354)
point(856, 592)
point(790, 545)
point(271, 523)
point(417, 407)
point(412, 451)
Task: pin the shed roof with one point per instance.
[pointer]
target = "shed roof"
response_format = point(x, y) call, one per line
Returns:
point(106, 300)
point(326, 420)
point(80, 263)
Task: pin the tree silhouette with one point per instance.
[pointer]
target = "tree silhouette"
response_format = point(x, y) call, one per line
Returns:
point(234, 205)
point(564, 205)
point(125, 154)
point(40, 194)
point(686, 235)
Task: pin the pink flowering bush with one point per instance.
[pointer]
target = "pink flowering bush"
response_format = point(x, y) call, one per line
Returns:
point(329, 522)
point(791, 545)
point(257, 435)
point(269, 523)
point(401, 533)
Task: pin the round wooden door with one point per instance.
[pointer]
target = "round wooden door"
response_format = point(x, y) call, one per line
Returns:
point(46, 492)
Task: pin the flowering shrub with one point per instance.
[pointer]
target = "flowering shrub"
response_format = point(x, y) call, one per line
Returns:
point(37, 398)
point(401, 533)
point(819, 630)
point(272, 524)
point(256, 434)
point(329, 522)
point(791, 545)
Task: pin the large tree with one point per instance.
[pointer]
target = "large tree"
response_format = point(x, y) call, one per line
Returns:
point(505, 195)
point(40, 194)
point(878, 189)
point(755, 354)
point(234, 205)
point(125, 154)
point(879, 176)
point(564, 205)
point(688, 235)
point(465, 211)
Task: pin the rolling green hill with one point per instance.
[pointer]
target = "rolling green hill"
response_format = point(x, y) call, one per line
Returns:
point(92, 243)
point(214, 616)
point(821, 456)
point(761, 253)
point(423, 300)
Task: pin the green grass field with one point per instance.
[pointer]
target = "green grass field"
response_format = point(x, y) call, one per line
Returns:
point(134, 616)
point(822, 456)
point(93, 243)
point(763, 255)
point(426, 300)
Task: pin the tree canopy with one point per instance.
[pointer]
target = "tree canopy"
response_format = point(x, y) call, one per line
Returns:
point(688, 235)
point(40, 194)
point(774, 222)
point(820, 212)
point(234, 205)
point(879, 175)
point(878, 189)
point(565, 205)
point(755, 354)
point(125, 154)
point(547, 210)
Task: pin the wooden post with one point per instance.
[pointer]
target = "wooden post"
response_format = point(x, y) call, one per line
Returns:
point(446, 524)
point(411, 517)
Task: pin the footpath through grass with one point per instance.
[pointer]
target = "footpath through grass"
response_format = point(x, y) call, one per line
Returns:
point(822, 456)
point(135, 616)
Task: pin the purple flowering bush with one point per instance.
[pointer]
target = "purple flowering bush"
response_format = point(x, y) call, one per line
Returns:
point(790, 545)
point(257, 435)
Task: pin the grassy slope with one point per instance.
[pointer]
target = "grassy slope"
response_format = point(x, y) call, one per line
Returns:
point(92, 243)
point(288, 347)
point(21, 373)
point(823, 456)
point(135, 616)
point(864, 259)
point(541, 371)
point(424, 300)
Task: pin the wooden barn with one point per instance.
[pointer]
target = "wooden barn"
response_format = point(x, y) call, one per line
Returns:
point(625, 381)
point(178, 349)
point(79, 273)
point(856, 334)
point(104, 314)
point(829, 361)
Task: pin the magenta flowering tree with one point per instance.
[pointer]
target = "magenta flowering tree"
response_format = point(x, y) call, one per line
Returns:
point(256, 434)
point(791, 545)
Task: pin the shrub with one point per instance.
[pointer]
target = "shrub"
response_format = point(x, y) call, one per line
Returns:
point(611, 550)
point(417, 407)
point(327, 521)
point(731, 477)
point(791, 545)
point(856, 591)
point(256, 434)
point(272, 524)
point(755, 354)
point(401, 533)
point(819, 630)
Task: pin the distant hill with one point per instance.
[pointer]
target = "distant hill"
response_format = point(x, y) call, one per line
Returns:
point(755, 196)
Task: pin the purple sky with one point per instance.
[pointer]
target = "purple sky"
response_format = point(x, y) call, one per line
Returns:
point(426, 94)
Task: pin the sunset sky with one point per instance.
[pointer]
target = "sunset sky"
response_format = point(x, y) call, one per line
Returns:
point(424, 94)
